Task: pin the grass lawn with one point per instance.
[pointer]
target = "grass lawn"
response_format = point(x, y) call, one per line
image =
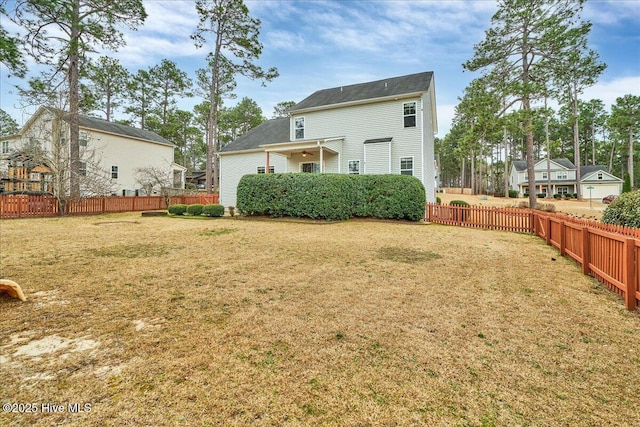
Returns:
point(161, 322)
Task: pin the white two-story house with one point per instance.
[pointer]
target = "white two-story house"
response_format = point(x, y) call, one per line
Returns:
point(114, 158)
point(595, 182)
point(381, 127)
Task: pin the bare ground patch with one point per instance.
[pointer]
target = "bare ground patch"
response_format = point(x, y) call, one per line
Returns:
point(275, 323)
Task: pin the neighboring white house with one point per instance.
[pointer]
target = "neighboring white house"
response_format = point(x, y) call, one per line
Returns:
point(563, 179)
point(111, 155)
point(381, 127)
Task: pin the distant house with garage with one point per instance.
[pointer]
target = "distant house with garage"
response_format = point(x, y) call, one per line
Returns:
point(563, 174)
point(112, 156)
point(381, 127)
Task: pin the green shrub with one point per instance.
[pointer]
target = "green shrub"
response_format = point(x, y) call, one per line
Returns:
point(177, 209)
point(513, 194)
point(438, 200)
point(195, 209)
point(458, 203)
point(557, 196)
point(331, 196)
point(213, 210)
point(624, 210)
point(541, 195)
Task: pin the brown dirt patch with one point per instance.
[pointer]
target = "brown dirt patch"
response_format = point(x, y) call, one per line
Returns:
point(274, 323)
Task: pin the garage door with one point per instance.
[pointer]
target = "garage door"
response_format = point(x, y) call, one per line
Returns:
point(599, 190)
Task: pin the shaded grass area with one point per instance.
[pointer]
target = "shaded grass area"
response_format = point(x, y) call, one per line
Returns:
point(227, 322)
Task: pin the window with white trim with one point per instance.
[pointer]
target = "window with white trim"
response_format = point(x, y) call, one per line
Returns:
point(406, 165)
point(544, 175)
point(354, 167)
point(409, 112)
point(114, 172)
point(562, 175)
point(82, 168)
point(262, 169)
point(600, 175)
point(83, 138)
point(5, 147)
point(298, 125)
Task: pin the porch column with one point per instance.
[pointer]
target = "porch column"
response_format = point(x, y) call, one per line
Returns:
point(321, 158)
point(266, 168)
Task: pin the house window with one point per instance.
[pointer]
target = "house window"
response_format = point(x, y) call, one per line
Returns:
point(544, 175)
point(83, 138)
point(261, 169)
point(299, 127)
point(114, 172)
point(409, 114)
point(34, 176)
point(561, 175)
point(310, 167)
point(406, 165)
point(5, 147)
point(563, 190)
point(354, 167)
point(600, 175)
point(82, 169)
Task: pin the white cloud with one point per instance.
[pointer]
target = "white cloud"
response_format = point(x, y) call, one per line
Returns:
point(609, 91)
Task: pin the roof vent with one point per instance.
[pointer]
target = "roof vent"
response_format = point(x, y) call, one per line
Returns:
point(340, 89)
point(385, 85)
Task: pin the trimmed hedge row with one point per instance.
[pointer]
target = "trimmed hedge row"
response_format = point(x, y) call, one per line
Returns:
point(624, 210)
point(331, 196)
point(196, 210)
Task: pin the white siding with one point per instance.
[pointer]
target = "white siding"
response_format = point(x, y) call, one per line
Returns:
point(376, 158)
point(234, 166)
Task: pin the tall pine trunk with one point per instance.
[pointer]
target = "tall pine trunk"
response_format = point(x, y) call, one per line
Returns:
point(74, 125)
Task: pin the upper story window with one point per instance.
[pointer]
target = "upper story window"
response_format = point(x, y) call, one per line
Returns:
point(82, 169)
point(83, 138)
point(299, 127)
point(544, 175)
point(5, 147)
point(409, 114)
point(600, 175)
point(114, 172)
point(562, 175)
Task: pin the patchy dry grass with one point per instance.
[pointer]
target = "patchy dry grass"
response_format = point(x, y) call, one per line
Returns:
point(159, 321)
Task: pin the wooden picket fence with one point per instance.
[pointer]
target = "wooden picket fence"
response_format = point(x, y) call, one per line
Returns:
point(35, 206)
point(609, 253)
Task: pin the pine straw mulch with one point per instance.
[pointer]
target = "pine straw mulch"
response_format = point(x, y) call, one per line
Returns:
point(160, 322)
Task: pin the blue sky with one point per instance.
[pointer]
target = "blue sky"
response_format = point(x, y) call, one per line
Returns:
point(322, 44)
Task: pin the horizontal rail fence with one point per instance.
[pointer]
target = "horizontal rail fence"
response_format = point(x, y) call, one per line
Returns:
point(611, 254)
point(36, 206)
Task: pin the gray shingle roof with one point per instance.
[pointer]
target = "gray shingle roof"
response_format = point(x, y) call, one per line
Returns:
point(115, 128)
point(521, 165)
point(270, 132)
point(411, 83)
point(586, 170)
point(124, 130)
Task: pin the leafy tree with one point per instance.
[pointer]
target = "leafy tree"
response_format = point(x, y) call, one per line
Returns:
point(180, 128)
point(527, 44)
point(233, 34)
point(10, 50)
point(238, 120)
point(626, 185)
point(78, 27)
point(625, 121)
point(108, 81)
point(280, 110)
point(8, 126)
point(170, 83)
point(142, 92)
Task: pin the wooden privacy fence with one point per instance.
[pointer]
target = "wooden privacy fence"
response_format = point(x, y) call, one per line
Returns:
point(609, 253)
point(30, 206)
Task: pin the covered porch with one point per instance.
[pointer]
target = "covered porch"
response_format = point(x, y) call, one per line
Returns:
point(311, 156)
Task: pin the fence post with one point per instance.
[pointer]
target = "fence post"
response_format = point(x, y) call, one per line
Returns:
point(563, 241)
point(628, 274)
point(585, 251)
point(548, 230)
